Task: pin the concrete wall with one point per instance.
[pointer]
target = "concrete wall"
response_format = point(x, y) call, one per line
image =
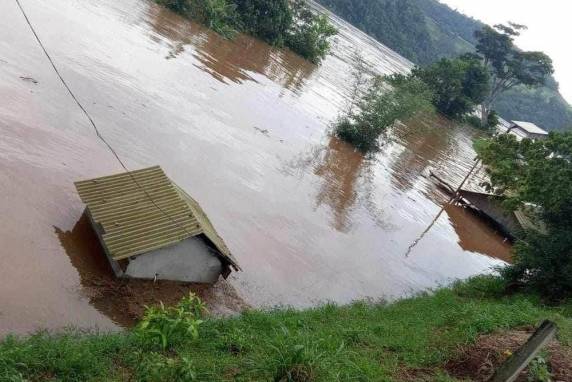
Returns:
point(190, 261)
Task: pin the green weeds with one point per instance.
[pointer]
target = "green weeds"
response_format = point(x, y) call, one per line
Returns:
point(164, 326)
point(358, 342)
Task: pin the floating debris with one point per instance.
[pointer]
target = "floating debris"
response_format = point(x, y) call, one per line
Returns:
point(29, 79)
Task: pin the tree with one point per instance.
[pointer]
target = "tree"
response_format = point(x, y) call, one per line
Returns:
point(537, 174)
point(509, 66)
point(458, 85)
point(267, 19)
point(388, 99)
point(310, 33)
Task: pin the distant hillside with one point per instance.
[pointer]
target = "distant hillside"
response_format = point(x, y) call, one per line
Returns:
point(425, 30)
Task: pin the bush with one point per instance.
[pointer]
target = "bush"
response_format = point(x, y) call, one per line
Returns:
point(279, 22)
point(267, 19)
point(458, 85)
point(309, 34)
point(218, 15)
point(543, 263)
point(537, 174)
point(493, 120)
point(164, 326)
point(388, 99)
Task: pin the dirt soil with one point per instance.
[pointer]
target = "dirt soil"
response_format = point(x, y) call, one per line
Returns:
point(479, 361)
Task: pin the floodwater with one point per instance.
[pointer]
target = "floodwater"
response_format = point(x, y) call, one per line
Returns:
point(241, 126)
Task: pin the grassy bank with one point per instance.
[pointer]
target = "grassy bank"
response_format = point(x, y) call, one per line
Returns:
point(360, 342)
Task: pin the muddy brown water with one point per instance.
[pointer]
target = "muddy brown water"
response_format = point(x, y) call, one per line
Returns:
point(241, 126)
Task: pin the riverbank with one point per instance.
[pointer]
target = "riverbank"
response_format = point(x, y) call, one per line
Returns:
point(422, 338)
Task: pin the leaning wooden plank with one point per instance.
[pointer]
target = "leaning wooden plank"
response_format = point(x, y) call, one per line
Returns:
point(511, 369)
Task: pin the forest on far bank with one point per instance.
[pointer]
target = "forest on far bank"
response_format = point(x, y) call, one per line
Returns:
point(424, 31)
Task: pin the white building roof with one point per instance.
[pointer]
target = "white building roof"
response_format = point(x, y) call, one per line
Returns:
point(530, 127)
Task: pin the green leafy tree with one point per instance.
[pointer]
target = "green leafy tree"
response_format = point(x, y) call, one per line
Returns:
point(267, 19)
point(310, 33)
point(458, 85)
point(279, 22)
point(509, 66)
point(537, 173)
point(388, 99)
point(218, 15)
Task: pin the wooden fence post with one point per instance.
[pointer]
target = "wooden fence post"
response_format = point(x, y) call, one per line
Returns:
point(510, 370)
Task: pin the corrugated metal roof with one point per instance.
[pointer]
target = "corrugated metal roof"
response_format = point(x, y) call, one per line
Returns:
point(530, 127)
point(141, 211)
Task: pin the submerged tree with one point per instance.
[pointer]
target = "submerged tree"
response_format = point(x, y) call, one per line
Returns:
point(458, 85)
point(387, 100)
point(508, 66)
point(537, 174)
point(278, 22)
point(310, 33)
point(269, 20)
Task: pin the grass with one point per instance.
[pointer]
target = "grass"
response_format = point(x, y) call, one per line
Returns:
point(359, 342)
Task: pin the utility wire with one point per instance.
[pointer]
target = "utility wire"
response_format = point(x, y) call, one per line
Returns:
point(455, 195)
point(92, 122)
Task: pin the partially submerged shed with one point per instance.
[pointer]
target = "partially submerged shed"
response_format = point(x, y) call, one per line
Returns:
point(491, 206)
point(151, 228)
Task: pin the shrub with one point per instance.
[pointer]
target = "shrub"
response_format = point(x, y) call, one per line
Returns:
point(458, 85)
point(538, 174)
point(218, 15)
point(279, 22)
point(493, 120)
point(388, 99)
point(543, 262)
point(267, 19)
point(165, 325)
point(179, 6)
point(473, 120)
point(309, 34)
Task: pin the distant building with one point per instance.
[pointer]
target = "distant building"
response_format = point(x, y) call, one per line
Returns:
point(150, 228)
point(521, 129)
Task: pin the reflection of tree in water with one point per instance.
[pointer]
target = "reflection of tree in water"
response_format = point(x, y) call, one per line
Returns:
point(225, 59)
point(347, 181)
point(340, 169)
point(425, 140)
point(433, 141)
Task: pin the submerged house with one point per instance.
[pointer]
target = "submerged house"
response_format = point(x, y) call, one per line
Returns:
point(522, 129)
point(151, 228)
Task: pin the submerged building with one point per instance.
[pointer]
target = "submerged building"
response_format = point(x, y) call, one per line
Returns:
point(150, 228)
point(521, 129)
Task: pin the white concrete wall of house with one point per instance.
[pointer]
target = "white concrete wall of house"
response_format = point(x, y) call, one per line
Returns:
point(190, 261)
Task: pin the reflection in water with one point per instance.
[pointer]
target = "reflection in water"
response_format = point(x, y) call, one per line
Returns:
point(124, 300)
point(225, 59)
point(343, 224)
point(475, 235)
point(346, 182)
point(423, 140)
point(340, 169)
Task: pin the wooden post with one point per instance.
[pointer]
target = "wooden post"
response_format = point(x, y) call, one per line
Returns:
point(511, 369)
